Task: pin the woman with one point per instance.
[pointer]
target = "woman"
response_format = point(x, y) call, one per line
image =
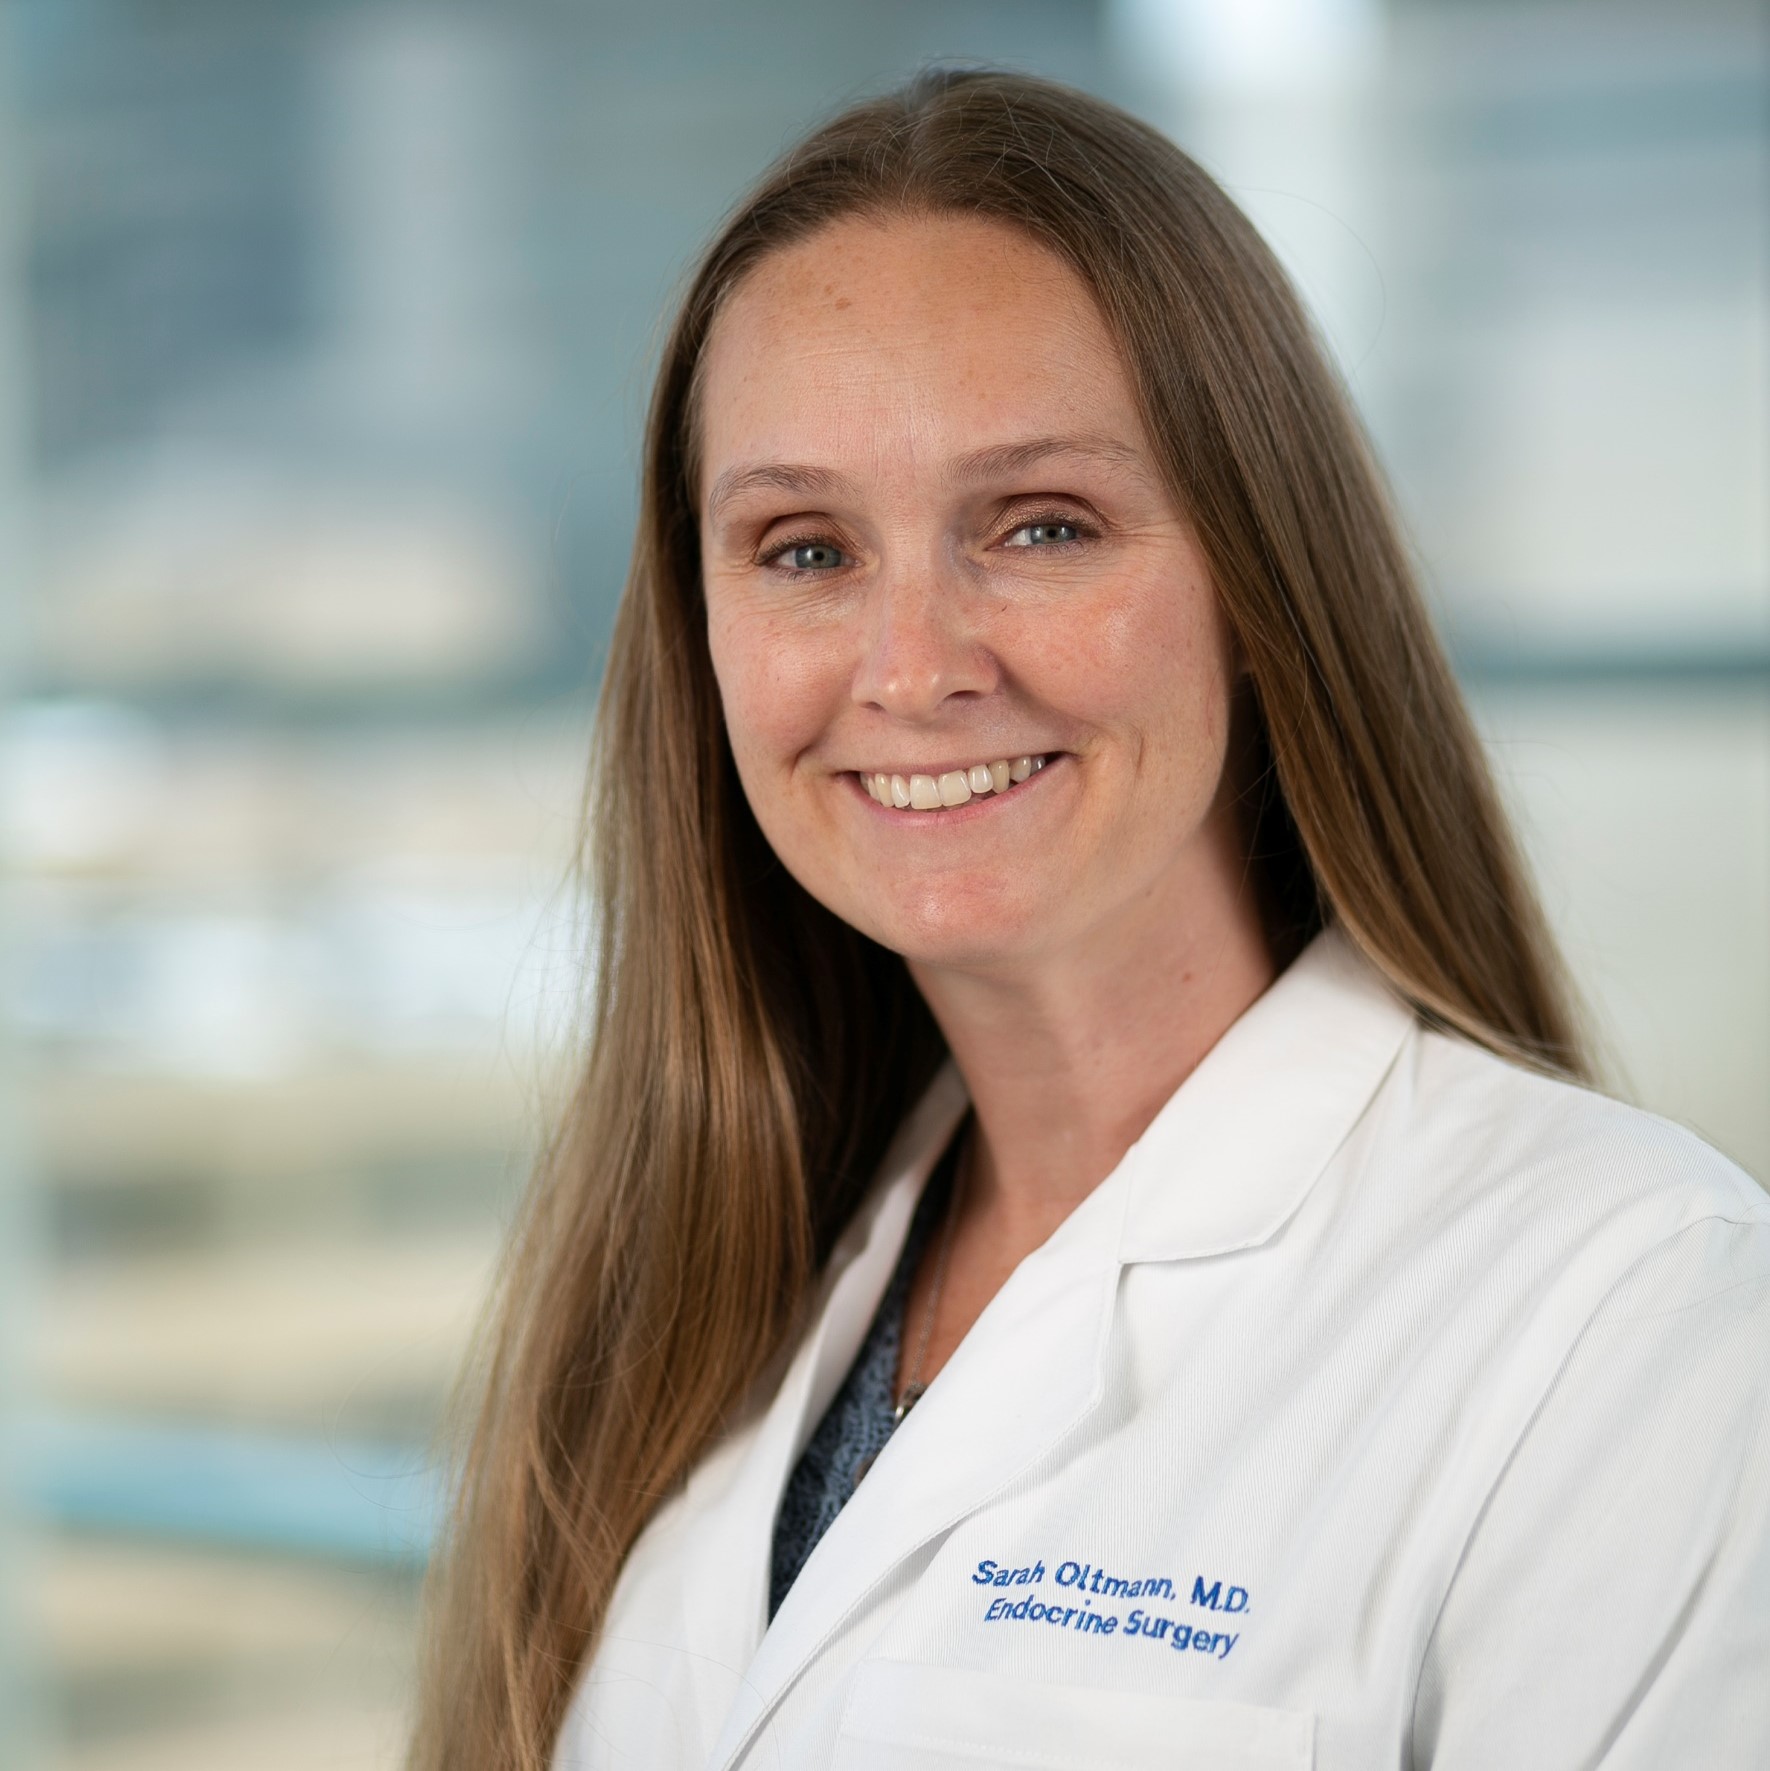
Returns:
point(1081, 1240)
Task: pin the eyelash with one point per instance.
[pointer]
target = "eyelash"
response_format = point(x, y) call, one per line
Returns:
point(1084, 532)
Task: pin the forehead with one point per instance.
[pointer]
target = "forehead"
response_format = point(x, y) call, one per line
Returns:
point(905, 342)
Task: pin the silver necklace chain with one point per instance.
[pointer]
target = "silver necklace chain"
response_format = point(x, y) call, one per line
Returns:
point(915, 1389)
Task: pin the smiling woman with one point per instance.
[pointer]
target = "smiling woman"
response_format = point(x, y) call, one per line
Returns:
point(977, 562)
point(1063, 973)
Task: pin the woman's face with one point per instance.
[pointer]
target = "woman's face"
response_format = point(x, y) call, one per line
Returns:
point(935, 542)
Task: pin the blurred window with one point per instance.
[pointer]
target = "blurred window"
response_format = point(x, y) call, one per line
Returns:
point(322, 362)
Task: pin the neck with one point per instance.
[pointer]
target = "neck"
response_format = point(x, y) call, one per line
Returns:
point(1068, 1060)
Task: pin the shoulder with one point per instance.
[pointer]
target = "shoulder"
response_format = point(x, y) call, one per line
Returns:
point(1516, 1210)
point(1550, 1156)
point(1621, 1456)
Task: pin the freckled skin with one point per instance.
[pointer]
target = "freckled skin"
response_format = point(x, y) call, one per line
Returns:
point(1083, 940)
point(886, 351)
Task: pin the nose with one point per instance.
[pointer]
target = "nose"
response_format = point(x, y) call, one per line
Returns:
point(918, 646)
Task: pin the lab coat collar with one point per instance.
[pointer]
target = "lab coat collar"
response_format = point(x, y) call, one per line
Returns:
point(1234, 1150)
point(1239, 1144)
point(858, 1271)
point(1223, 1164)
point(866, 1256)
point(1027, 1373)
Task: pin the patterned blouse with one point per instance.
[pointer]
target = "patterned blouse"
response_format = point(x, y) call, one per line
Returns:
point(858, 1421)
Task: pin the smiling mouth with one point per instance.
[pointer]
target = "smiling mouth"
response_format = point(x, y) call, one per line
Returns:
point(934, 793)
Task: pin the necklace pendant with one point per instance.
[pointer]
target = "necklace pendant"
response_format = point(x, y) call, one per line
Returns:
point(906, 1402)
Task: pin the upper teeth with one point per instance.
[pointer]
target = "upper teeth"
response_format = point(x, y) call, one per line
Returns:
point(928, 793)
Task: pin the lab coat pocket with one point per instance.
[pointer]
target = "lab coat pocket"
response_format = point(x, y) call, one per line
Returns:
point(901, 1714)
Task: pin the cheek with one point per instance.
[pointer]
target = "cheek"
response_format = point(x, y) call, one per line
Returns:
point(1151, 665)
point(777, 692)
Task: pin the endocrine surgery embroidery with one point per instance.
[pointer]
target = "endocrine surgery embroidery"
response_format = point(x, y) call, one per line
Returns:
point(1074, 1608)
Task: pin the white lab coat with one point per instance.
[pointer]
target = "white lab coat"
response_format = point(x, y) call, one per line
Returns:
point(1387, 1406)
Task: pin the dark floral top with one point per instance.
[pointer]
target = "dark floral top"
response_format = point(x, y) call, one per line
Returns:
point(858, 1421)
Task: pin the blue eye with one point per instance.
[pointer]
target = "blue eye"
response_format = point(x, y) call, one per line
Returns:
point(1046, 530)
point(810, 555)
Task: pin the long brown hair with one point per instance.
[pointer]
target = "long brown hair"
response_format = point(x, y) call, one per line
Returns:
point(750, 1055)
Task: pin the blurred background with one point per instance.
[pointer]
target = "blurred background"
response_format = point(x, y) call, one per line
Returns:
point(325, 331)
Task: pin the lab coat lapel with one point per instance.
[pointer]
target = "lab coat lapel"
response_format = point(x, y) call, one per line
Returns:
point(991, 1415)
point(1224, 1164)
point(735, 1523)
point(1239, 1145)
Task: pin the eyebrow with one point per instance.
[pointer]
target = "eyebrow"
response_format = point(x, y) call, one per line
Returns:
point(994, 462)
point(814, 482)
point(1010, 458)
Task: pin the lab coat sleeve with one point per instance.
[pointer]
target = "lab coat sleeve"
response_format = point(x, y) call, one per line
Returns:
point(1611, 1609)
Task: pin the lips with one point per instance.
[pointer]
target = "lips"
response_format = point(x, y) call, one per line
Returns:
point(953, 787)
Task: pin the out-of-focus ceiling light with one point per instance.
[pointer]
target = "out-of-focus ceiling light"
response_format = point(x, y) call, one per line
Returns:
point(1249, 48)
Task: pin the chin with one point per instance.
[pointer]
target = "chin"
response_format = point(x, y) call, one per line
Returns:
point(958, 929)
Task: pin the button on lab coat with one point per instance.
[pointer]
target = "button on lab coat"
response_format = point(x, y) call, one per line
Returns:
point(1387, 1406)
